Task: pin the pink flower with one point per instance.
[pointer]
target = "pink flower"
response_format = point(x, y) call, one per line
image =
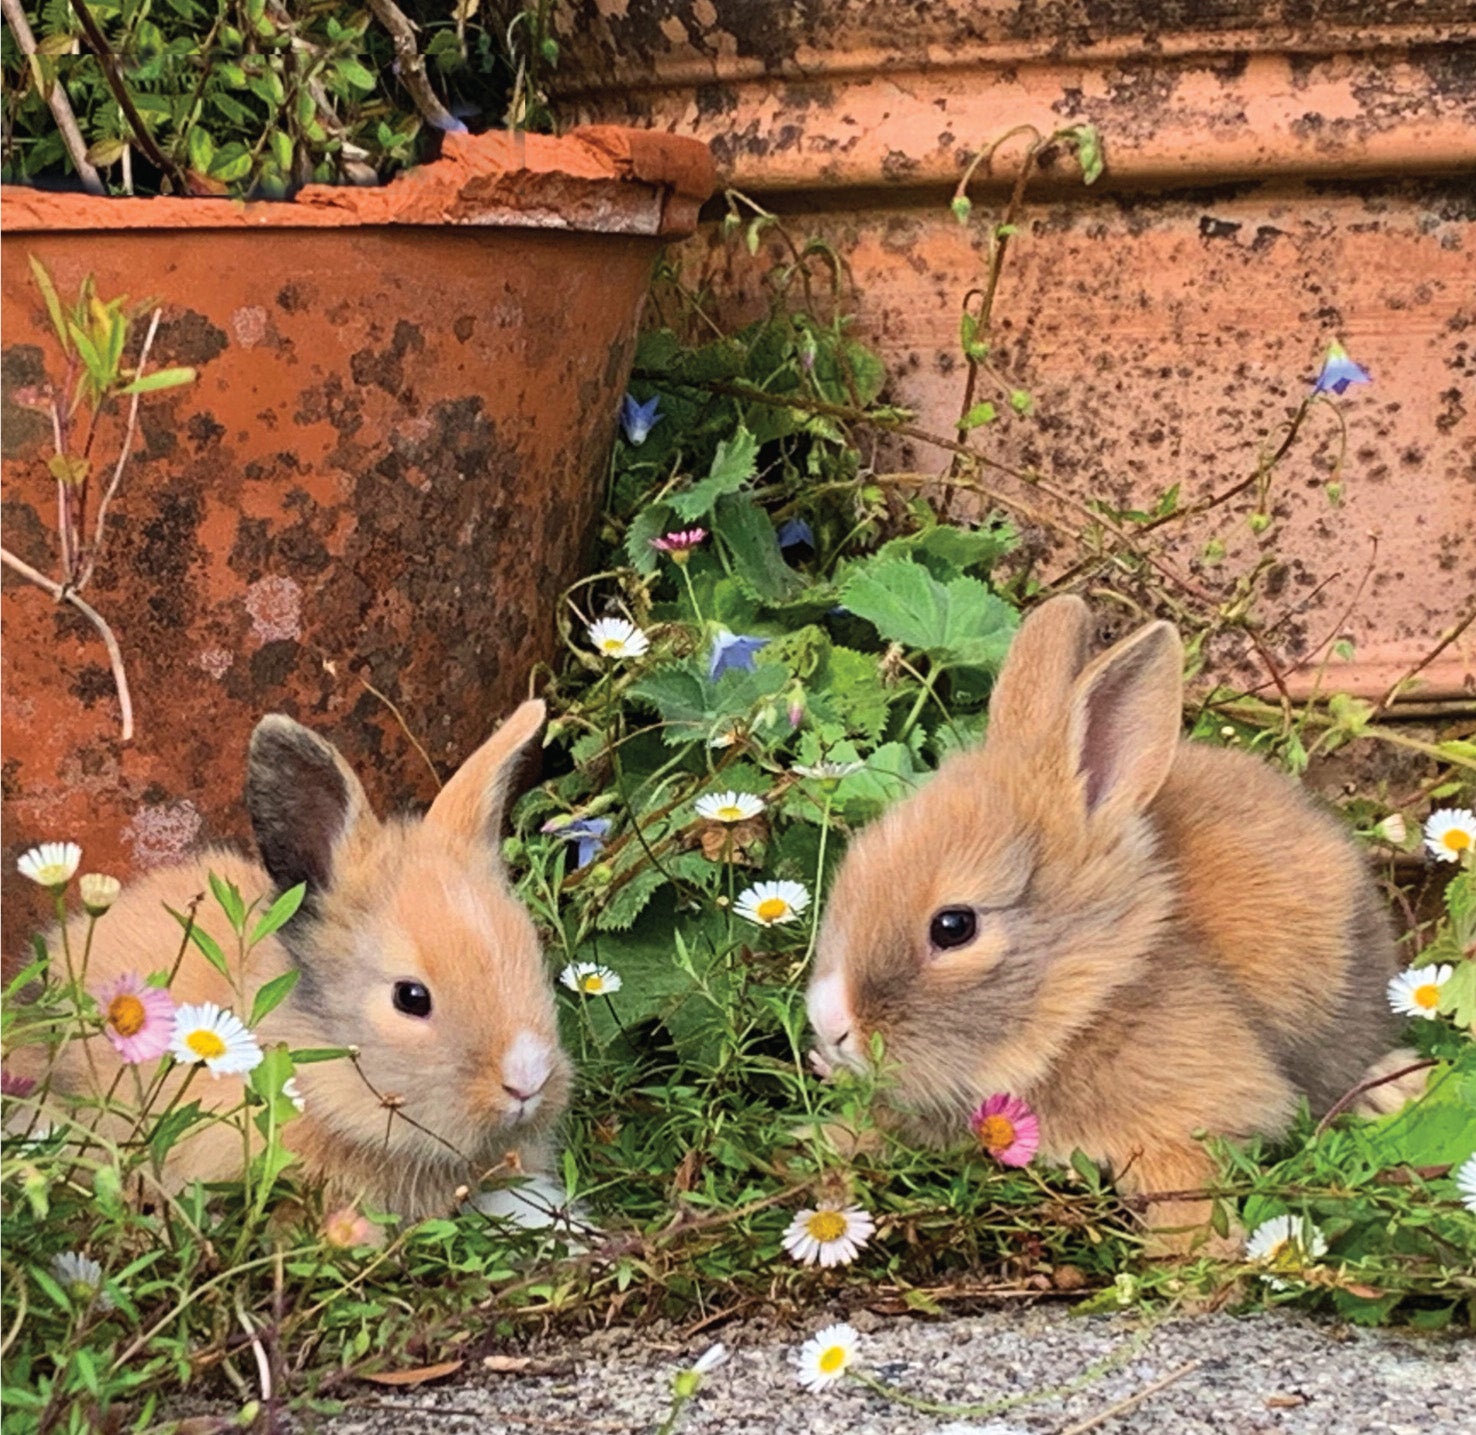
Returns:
point(1007, 1129)
point(346, 1229)
point(138, 1018)
point(679, 542)
point(12, 1083)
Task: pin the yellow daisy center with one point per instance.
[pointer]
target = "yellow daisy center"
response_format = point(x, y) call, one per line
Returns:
point(126, 1014)
point(729, 813)
point(205, 1044)
point(1426, 996)
point(771, 909)
point(826, 1226)
point(612, 645)
point(1456, 839)
point(594, 982)
point(832, 1358)
point(996, 1133)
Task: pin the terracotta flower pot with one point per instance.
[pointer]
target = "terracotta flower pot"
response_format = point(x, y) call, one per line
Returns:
point(1275, 180)
point(374, 492)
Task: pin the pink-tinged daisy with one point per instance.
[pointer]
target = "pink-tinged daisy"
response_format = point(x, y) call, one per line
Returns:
point(830, 1235)
point(1007, 1129)
point(138, 1018)
point(679, 545)
point(12, 1083)
point(346, 1229)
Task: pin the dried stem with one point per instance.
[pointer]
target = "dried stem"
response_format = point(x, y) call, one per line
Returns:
point(98, 43)
point(64, 594)
point(123, 455)
point(412, 67)
point(1446, 639)
point(60, 105)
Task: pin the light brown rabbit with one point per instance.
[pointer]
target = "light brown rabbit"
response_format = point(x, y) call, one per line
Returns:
point(410, 947)
point(1142, 937)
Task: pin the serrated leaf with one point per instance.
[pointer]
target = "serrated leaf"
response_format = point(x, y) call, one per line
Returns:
point(732, 466)
point(649, 523)
point(630, 900)
point(959, 623)
point(748, 535)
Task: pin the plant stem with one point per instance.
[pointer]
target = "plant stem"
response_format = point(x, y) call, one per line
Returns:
point(63, 594)
point(412, 67)
point(60, 105)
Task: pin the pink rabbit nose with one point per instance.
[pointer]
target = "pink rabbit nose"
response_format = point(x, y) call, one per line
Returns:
point(527, 1066)
point(830, 1011)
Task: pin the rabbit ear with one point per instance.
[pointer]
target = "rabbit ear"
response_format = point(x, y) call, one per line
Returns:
point(1124, 719)
point(303, 801)
point(1048, 652)
point(471, 804)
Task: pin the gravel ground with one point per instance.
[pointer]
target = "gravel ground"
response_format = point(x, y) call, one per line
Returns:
point(1251, 1374)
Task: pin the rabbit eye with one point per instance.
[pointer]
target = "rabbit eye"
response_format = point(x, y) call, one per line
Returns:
point(413, 998)
point(953, 927)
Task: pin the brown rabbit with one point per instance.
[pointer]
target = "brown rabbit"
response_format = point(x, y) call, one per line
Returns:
point(410, 947)
point(1142, 937)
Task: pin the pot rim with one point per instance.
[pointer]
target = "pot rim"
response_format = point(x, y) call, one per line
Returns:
point(597, 179)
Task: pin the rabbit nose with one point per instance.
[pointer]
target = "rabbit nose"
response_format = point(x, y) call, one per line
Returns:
point(830, 1012)
point(527, 1066)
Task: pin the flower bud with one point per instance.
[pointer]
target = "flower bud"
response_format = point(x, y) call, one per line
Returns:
point(99, 892)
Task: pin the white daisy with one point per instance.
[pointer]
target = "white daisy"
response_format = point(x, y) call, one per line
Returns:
point(828, 771)
point(81, 1277)
point(1285, 1243)
point(219, 1038)
point(98, 892)
point(293, 1092)
point(832, 1235)
point(729, 806)
point(590, 979)
point(615, 638)
point(771, 904)
point(51, 864)
point(825, 1357)
point(1465, 1180)
point(1450, 833)
point(1416, 990)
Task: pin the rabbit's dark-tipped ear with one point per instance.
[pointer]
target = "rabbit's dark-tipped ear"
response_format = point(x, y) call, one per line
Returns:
point(1124, 720)
point(303, 801)
point(471, 804)
point(1048, 652)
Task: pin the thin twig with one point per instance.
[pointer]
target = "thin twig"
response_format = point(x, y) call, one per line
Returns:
point(123, 455)
point(60, 105)
point(1447, 638)
point(98, 43)
point(64, 594)
point(412, 67)
point(1137, 1398)
point(1349, 1097)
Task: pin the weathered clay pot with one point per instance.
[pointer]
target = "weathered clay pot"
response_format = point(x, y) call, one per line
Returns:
point(384, 475)
point(1278, 175)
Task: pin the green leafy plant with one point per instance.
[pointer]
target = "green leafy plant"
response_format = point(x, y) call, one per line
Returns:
point(258, 97)
point(97, 340)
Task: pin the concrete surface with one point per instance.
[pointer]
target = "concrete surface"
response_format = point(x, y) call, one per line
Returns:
point(1261, 1373)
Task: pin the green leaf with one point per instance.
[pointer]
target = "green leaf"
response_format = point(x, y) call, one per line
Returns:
point(980, 414)
point(630, 900)
point(90, 356)
point(748, 535)
point(170, 1127)
point(280, 912)
point(53, 303)
point(206, 943)
point(649, 523)
point(202, 148)
point(355, 74)
point(229, 897)
point(160, 379)
point(733, 465)
point(959, 623)
point(272, 995)
point(1088, 152)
